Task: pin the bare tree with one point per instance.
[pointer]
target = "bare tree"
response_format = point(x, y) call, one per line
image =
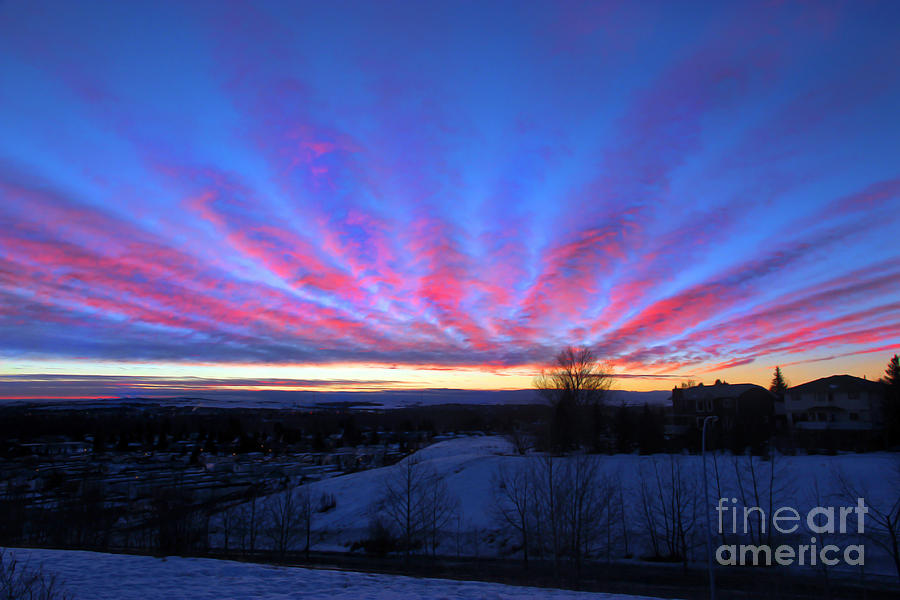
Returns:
point(648, 512)
point(246, 523)
point(520, 440)
point(440, 508)
point(575, 387)
point(306, 510)
point(670, 507)
point(622, 515)
point(19, 581)
point(586, 506)
point(403, 501)
point(747, 479)
point(760, 484)
point(550, 492)
point(559, 506)
point(283, 523)
point(818, 498)
point(513, 499)
point(177, 518)
point(883, 522)
point(228, 518)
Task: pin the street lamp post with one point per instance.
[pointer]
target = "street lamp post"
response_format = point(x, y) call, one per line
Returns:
point(712, 577)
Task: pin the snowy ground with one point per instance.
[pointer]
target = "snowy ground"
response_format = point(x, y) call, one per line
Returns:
point(469, 464)
point(95, 576)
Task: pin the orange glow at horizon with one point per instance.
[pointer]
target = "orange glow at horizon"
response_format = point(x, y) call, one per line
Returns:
point(196, 379)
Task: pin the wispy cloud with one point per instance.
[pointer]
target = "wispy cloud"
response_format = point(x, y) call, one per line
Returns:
point(258, 188)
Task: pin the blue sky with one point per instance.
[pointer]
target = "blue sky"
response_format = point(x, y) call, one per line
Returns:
point(377, 195)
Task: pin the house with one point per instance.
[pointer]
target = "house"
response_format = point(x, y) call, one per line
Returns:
point(837, 403)
point(745, 411)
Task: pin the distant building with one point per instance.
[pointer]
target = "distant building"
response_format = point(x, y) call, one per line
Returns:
point(745, 411)
point(837, 403)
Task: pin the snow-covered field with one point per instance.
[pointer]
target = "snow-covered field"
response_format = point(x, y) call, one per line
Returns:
point(468, 466)
point(95, 576)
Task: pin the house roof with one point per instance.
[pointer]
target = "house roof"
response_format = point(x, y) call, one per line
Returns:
point(837, 382)
point(720, 390)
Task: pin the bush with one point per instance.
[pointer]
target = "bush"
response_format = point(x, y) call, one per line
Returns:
point(20, 582)
point(380, 541)
point(326, 503)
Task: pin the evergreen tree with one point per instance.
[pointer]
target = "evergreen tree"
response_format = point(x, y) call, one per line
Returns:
point(891, 407)
point(779, 385)
point(892, 373)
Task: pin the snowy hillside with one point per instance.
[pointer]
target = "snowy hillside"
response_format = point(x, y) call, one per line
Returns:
point(468, 466)
point(95, 576)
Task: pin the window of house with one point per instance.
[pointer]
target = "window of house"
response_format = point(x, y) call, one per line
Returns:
point(854, 416)
point(853, 394)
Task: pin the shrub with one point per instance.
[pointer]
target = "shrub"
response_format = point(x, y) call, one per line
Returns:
point(380, 541)
point(18, 581)
point(326, 502)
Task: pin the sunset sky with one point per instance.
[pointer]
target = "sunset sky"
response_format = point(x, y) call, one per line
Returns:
point(373, 195)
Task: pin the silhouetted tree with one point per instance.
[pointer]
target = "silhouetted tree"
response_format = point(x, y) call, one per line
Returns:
point(891, 407)
point(624, 429)
point(351, 433)
point(403, 501)
point(575, 388)
point(892, 373)
point(176, 518)
point(651, 437)
point(669, 506)
point(513, 503)
point(284, 521)
point(779, 385)
point(441, 507)
point(306, 510)
point(247, 519)
point(20, 580)
point(882, 525)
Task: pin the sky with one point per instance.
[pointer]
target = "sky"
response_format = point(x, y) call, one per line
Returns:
point(197, 196)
